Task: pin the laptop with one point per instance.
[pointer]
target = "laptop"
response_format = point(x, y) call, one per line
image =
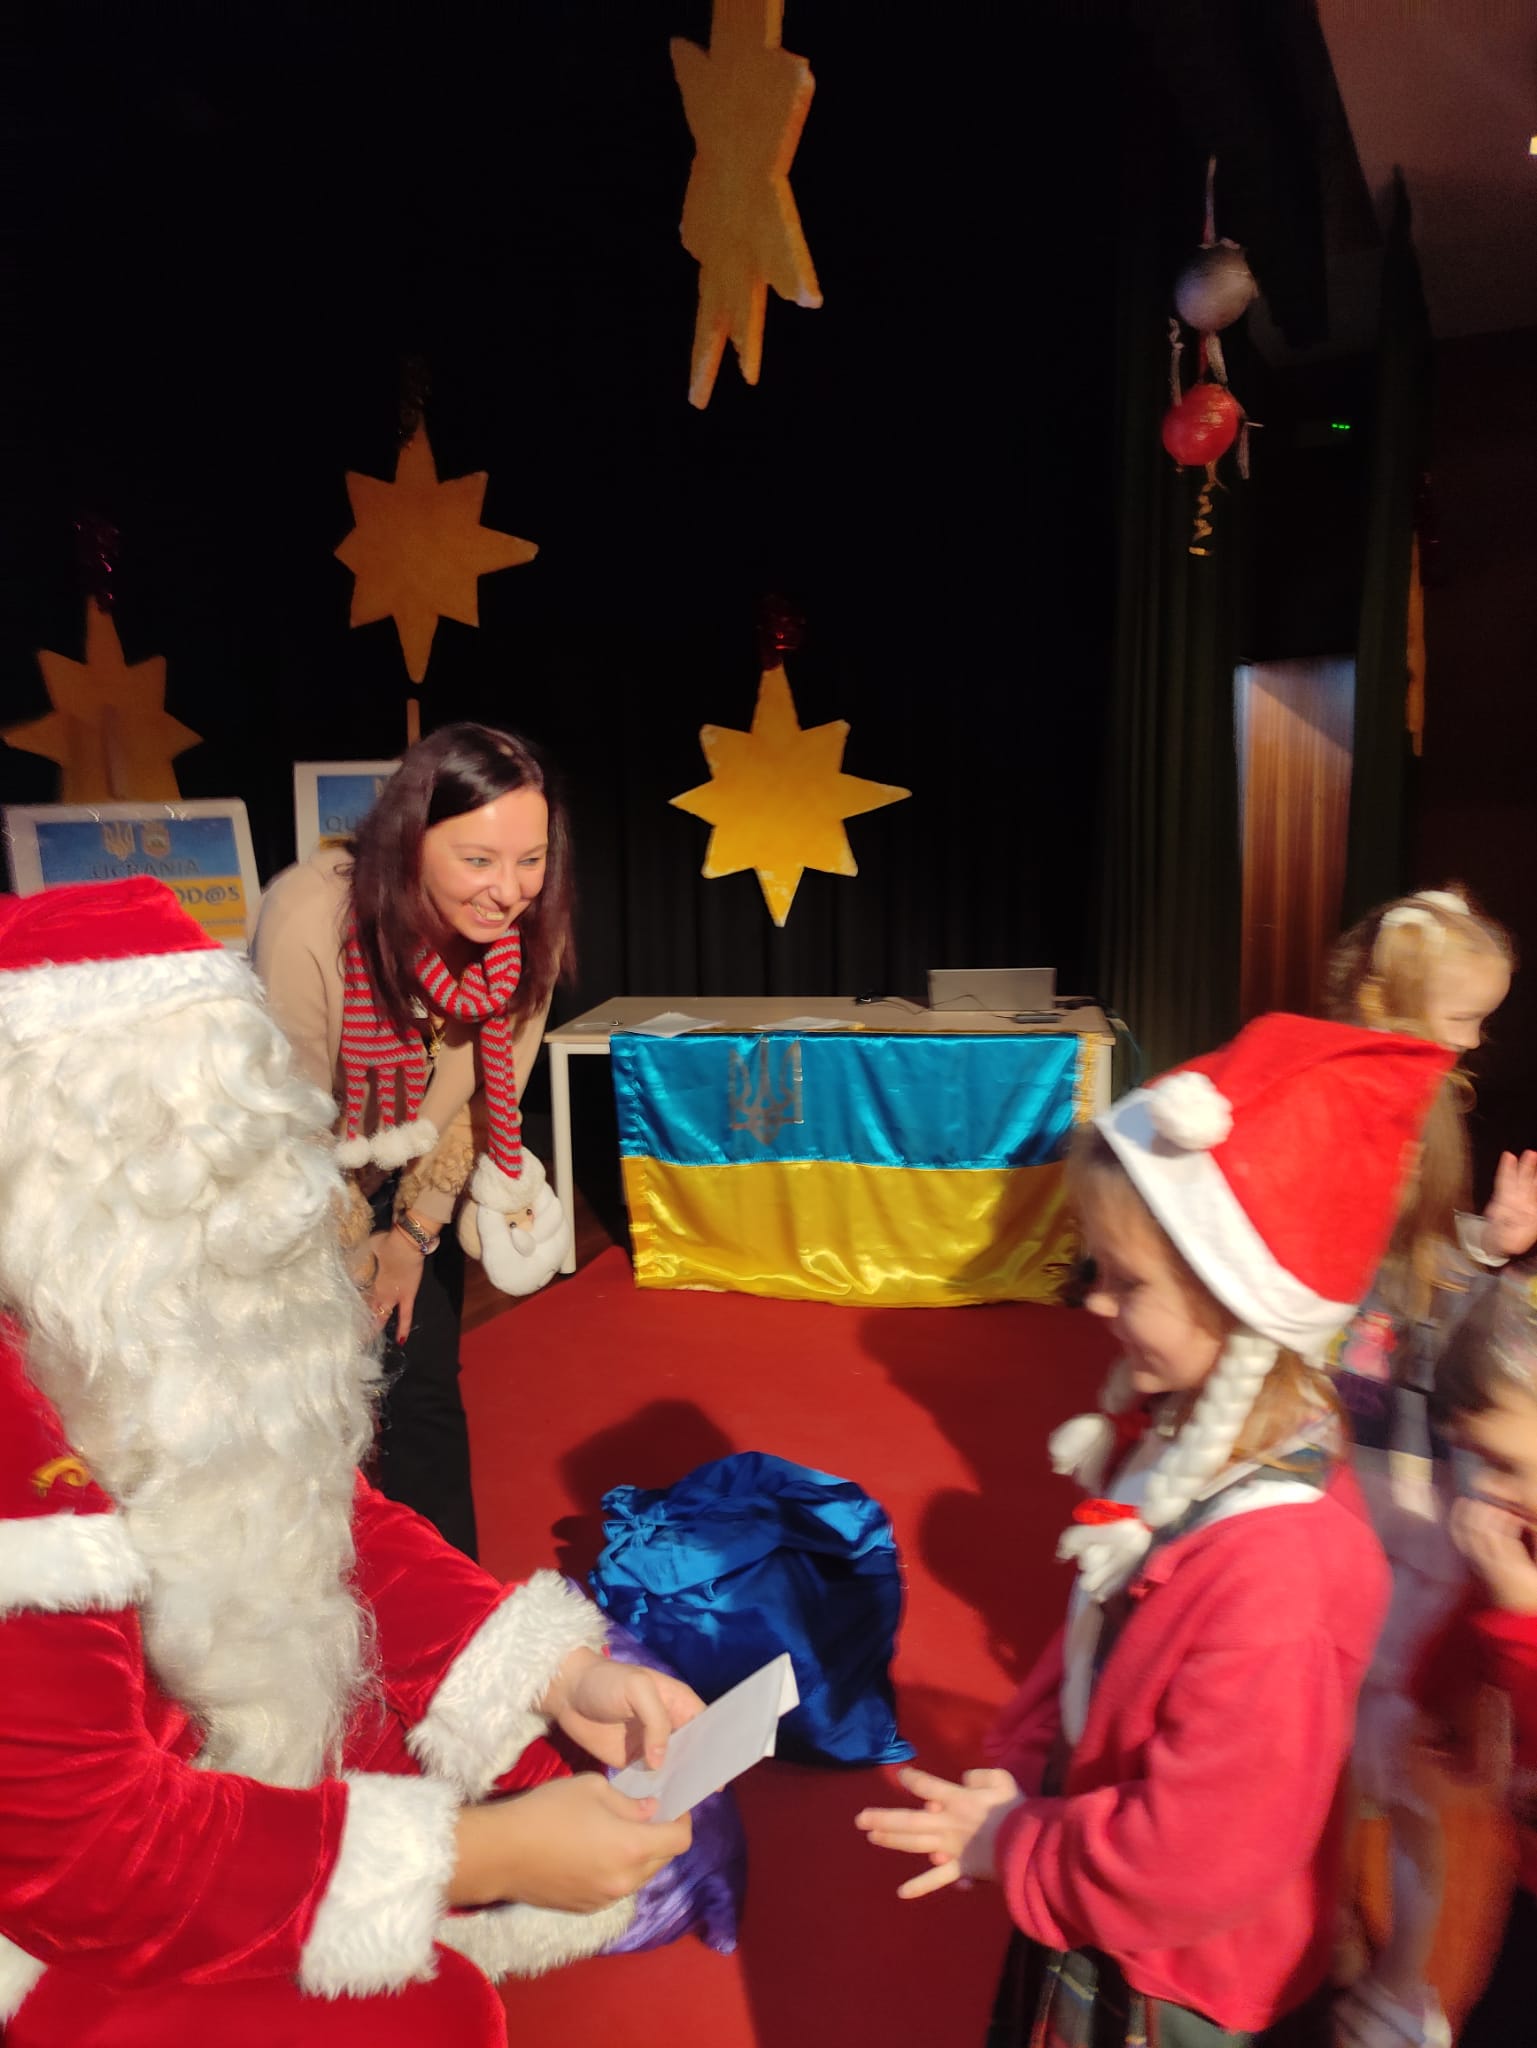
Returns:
point(1001, 991)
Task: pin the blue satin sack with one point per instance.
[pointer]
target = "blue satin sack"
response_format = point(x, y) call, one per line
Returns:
point(752, 1555)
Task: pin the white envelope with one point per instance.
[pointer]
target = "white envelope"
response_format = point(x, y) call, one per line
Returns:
point(728, 1738)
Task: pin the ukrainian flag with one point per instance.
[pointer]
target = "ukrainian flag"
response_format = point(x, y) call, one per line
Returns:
point(906, 1168)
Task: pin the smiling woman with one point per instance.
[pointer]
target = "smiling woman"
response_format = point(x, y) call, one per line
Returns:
point(413, 970)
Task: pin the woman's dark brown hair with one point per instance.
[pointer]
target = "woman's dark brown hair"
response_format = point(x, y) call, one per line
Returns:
point(458, 769)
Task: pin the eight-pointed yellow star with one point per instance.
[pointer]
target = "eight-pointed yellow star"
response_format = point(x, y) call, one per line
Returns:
point(109, 729)
point(745, 99)
point(418, 549)
point(778, 797)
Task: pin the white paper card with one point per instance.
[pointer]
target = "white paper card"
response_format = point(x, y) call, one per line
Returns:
point(673, 1024)
point(812, 1024)
point(728, 1738)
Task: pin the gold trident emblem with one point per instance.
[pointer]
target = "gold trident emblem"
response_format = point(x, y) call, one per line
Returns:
point(764, 1090)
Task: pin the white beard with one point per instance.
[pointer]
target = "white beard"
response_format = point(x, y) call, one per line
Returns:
point(167, 1241)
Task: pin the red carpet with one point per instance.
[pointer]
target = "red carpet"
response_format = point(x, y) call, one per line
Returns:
point(941, 1414)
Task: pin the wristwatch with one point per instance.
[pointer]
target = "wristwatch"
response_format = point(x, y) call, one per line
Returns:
point(426, 1242)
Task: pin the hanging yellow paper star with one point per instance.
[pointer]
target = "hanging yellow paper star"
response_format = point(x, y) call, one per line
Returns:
point(777, 797)
point(745, 99)
point(418, 549)
point(109, 729)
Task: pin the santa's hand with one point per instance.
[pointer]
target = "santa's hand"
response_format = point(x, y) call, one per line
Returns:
point(619, 1713)
point(574, 1845)
point(955, 1828)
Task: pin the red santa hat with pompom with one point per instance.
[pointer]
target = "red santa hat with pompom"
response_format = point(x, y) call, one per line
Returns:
point(91, 954)
point(1277, 1166)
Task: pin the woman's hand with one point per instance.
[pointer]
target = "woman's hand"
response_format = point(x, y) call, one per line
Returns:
point(573, 1844)
point(619, 1713)
point(1510, 1221)
point(397, 1274)
point(955, 1827)
point(1494, 1542)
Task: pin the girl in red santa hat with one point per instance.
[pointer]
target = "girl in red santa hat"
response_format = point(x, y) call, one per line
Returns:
point(1163, 1811)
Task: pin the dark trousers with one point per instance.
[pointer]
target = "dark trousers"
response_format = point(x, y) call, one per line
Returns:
point(1506, 2015)
point(422, 1457)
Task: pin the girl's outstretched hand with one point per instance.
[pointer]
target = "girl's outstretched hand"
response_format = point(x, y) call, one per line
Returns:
point(1510, 1221)
point(619, 1713)
point(955, 1827)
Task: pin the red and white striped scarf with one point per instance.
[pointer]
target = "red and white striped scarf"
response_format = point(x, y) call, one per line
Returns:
point(374, 1051)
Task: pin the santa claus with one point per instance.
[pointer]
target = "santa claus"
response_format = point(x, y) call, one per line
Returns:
point(255, 1720)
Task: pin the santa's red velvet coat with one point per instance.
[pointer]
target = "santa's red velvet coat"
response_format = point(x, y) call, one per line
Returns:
point(146, 1900)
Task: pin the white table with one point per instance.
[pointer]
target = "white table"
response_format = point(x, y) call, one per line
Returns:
point(592, 1031)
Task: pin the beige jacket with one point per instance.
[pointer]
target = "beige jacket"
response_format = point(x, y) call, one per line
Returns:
point(300, 936)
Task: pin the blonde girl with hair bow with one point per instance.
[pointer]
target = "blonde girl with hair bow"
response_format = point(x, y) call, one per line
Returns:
point(1436, 965)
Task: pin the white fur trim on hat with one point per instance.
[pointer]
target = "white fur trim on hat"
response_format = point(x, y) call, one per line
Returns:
point(18, 1973)
point(61, 1564)
point(376, 1924)
point(1191, 1111)
point(1190, 1196)
point(43, 1002)
point(517, 1258)
point(485, 1711)
point(525, 1941)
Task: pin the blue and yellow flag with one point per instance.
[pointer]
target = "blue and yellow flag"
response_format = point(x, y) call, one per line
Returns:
point(911, 1168)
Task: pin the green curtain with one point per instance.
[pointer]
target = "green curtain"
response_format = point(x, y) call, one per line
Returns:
point(1381, 788)
point(1170, 889)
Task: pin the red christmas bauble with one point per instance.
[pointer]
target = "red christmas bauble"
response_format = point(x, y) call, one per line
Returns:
point(1203, 426)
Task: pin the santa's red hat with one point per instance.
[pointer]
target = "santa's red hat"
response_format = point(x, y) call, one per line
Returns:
point(96, 953)
point(1278, 1164)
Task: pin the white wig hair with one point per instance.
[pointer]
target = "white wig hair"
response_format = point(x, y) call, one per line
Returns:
point(168, 1243)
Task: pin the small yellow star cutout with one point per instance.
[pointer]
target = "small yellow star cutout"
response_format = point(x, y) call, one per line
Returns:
point(418, 549)
point(745, 99)
point(109, 729)
point(778, 796)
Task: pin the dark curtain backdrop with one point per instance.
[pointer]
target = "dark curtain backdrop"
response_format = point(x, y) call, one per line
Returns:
point(226, 227)
point(1382, 774)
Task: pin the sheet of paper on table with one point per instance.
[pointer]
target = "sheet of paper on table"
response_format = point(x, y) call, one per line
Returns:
point(728, 1738)
point(673, 1024)
point(813, 1024)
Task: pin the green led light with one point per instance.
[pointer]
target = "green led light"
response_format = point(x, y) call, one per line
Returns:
point(1339, 426)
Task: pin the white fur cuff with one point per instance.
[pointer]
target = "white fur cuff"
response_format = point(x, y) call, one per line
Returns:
point(377, 1923)
point(395, 1146)
point(525, 1941)
point(18, 1973)
point(60, 1564)
point(485, 1712)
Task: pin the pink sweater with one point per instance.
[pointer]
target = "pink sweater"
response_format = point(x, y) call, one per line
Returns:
point(1198, 1836)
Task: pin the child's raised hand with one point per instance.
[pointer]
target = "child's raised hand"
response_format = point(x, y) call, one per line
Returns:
point(619, 1713)
point(1494, 1542)
point(1510, 1221)
point(955, 1826)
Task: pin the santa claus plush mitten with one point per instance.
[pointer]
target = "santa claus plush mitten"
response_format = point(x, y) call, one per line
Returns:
point(516, 1228)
